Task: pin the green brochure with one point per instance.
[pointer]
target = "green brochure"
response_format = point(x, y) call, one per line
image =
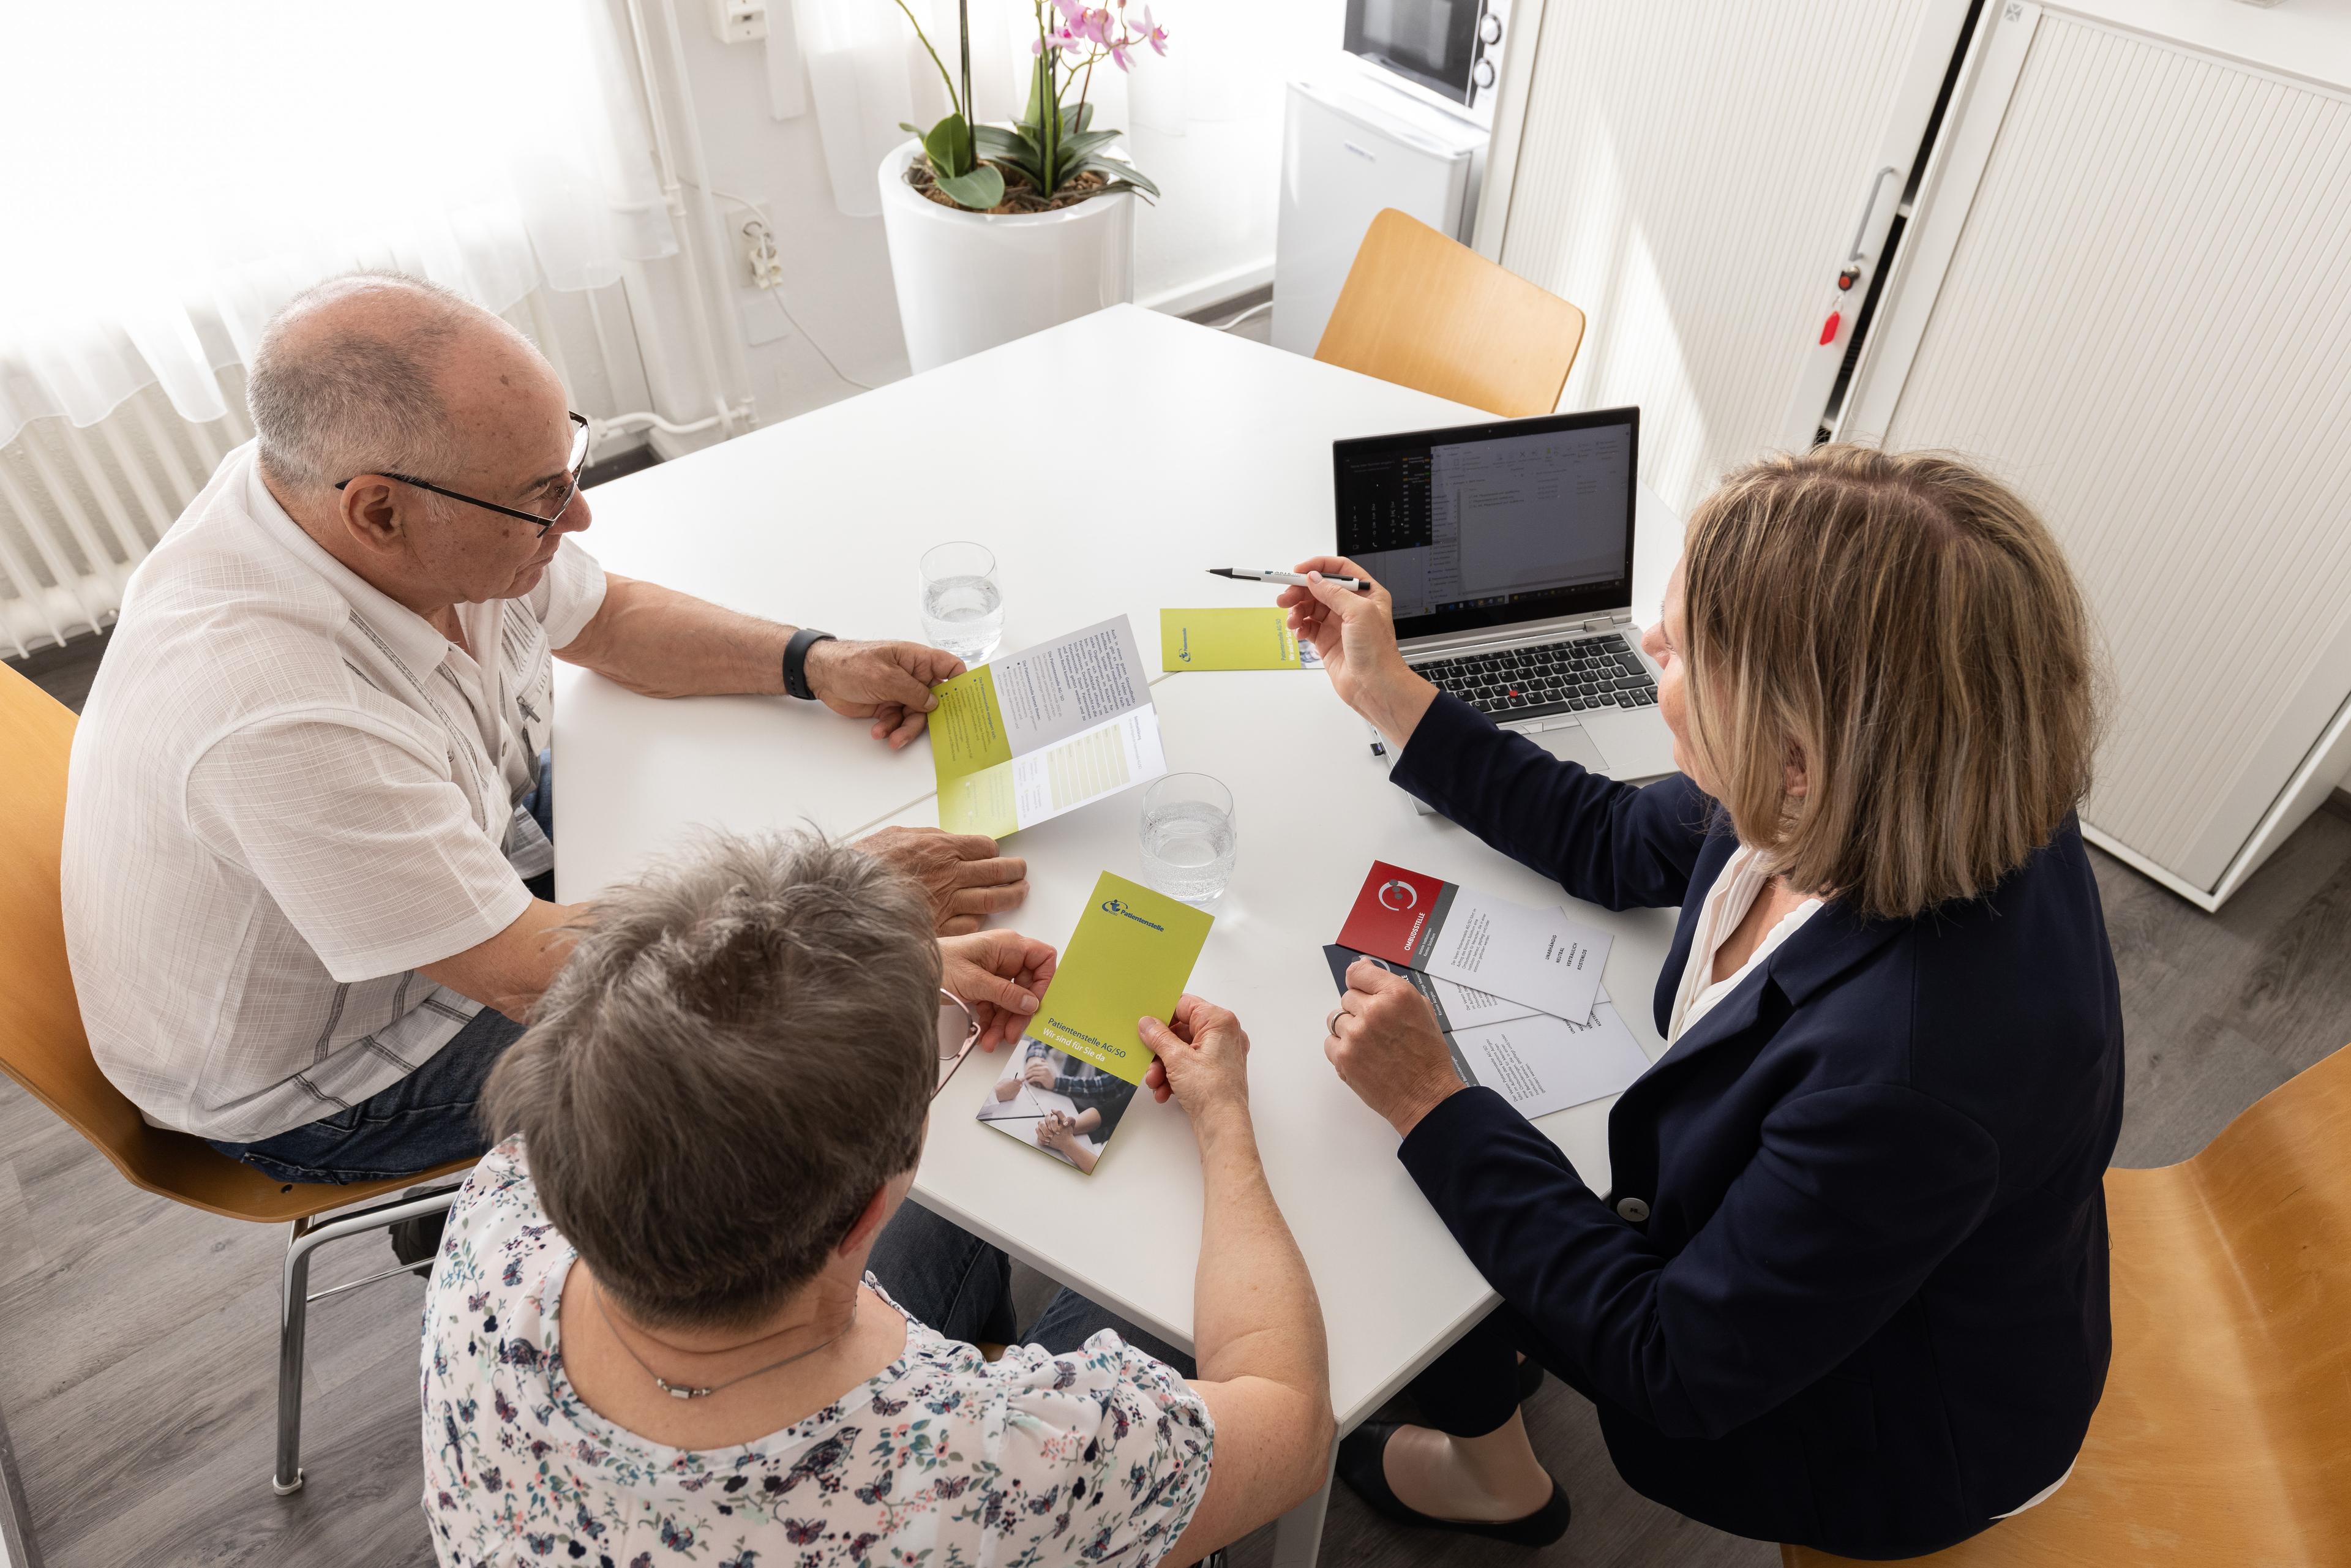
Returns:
point(1032, 735)
point(1070, 1080)
point(1228, 639)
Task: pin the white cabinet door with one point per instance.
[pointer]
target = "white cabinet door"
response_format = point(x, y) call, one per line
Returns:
point(1694, 175)
point(2129, 293)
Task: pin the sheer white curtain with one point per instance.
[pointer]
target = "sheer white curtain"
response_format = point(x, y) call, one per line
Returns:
point(868, 73)
point(174, 170)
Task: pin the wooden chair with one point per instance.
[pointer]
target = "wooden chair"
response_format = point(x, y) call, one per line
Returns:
point(43, 1048)
point(2225, 1433)
point(1425, 311)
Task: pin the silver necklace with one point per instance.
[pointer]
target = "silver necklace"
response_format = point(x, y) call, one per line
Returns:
point(676, 1391)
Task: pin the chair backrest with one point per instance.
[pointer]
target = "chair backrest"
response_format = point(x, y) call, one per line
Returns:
point(42, 1045)
point(1425, 311)
point(2224, 1435)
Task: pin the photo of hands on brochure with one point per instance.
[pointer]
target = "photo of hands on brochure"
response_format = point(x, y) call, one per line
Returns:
point(1539, 1062)
point(1029, 736)
point(1074, 1073)
point(1229, 639)
point(1048, 1098)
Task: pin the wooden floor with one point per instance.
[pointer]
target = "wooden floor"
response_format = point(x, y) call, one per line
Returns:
point(138, 1339)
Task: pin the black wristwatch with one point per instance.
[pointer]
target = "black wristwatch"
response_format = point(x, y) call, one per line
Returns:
point(796, 653)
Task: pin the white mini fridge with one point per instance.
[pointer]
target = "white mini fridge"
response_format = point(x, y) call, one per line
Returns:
point(1352, 146)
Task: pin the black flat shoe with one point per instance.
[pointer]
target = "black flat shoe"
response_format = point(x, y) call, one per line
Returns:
point(1361, 1454)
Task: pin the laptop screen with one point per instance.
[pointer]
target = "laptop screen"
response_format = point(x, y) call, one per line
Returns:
point(1491, 525)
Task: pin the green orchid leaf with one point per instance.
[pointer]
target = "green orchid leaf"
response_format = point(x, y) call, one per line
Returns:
point(1075, 124)
point(1030, 117)
point(915, 129)
point(1078, 144)
point(948, 144)
point(1121, 176)
point(981, 189)
point(1009, 152)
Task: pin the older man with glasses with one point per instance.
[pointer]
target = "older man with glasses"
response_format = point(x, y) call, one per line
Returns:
point(306, 868)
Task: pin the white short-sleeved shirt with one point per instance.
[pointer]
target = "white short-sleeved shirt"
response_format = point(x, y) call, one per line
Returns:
point(1098, 1456)
point(288, 791)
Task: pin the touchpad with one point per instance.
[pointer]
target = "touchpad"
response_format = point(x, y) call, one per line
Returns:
point(1574, 743)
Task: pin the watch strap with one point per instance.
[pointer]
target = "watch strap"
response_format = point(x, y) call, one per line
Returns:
point(796, 653)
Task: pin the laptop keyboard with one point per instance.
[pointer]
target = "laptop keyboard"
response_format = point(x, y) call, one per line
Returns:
point(1549, 678)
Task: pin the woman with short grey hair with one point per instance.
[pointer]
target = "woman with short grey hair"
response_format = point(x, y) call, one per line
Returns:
point(680, 1313)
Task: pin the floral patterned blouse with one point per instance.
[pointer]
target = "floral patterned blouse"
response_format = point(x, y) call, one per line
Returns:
point(944, 1460)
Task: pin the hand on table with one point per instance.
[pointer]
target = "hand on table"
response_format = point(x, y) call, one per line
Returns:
point(1000, 975)
point(1354, 632)
point(889, 683)
point(1383, 1039)
point(1039, 1073)
point(963, 874)
point(1203, 1057)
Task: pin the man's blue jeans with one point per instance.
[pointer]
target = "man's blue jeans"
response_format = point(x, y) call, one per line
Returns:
point(962, 1287)
point(425, 1120)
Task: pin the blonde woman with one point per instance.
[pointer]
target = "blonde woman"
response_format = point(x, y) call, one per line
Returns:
point(1849, 1287)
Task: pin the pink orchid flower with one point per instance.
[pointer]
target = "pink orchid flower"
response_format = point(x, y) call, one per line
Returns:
point(1118, 55)
point(1152, 33)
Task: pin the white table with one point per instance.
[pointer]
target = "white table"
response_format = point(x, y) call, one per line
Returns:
point(1171, 449)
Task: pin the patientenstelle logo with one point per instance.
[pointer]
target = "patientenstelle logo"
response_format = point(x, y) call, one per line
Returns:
point(1183, 647)
point(1119, 907)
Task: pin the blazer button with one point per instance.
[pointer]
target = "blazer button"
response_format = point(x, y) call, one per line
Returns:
point(1632, 1210)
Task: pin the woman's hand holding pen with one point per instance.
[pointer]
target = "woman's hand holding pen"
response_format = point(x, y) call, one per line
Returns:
point(1355, 633)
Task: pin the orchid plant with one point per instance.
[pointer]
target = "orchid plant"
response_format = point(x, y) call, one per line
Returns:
point(1053, 142)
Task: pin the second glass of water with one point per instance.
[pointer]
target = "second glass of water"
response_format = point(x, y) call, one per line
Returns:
point(1189, 837)
point(963, 607)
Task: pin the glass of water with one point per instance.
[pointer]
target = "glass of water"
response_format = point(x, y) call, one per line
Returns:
point(1189, 837)
point(963, 607)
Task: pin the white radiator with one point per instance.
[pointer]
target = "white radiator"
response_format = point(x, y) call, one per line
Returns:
point(80, 507)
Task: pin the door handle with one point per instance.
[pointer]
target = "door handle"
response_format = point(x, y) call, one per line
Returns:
point(1876, 184)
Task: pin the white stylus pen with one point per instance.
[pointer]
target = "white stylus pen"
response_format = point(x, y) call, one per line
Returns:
point(1296, 580)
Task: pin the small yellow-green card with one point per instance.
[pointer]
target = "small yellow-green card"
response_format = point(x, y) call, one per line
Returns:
point(1227, 639)
point(1129, 956)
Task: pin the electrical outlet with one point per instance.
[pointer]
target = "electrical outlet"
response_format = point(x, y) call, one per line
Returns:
point(759, 253)
point(738, 21)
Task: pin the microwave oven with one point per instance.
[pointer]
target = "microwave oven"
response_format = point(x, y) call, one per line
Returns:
point(1447, 51)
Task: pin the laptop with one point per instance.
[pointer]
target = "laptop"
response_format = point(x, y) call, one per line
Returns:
point(1509, 550)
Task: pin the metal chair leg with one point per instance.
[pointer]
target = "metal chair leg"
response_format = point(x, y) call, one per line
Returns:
point(294, 1311)
point(293, 1318)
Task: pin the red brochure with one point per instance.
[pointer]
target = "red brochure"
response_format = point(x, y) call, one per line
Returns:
point(1537, 957)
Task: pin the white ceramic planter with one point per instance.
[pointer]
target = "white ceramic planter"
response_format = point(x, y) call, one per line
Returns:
point(968, 281)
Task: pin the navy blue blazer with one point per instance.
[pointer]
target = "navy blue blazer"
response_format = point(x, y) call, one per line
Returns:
point(1865, 1309)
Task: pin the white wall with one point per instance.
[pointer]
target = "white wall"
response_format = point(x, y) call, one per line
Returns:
point(1212, 236)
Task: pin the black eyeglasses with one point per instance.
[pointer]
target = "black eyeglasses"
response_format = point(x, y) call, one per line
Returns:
point(578, 463)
